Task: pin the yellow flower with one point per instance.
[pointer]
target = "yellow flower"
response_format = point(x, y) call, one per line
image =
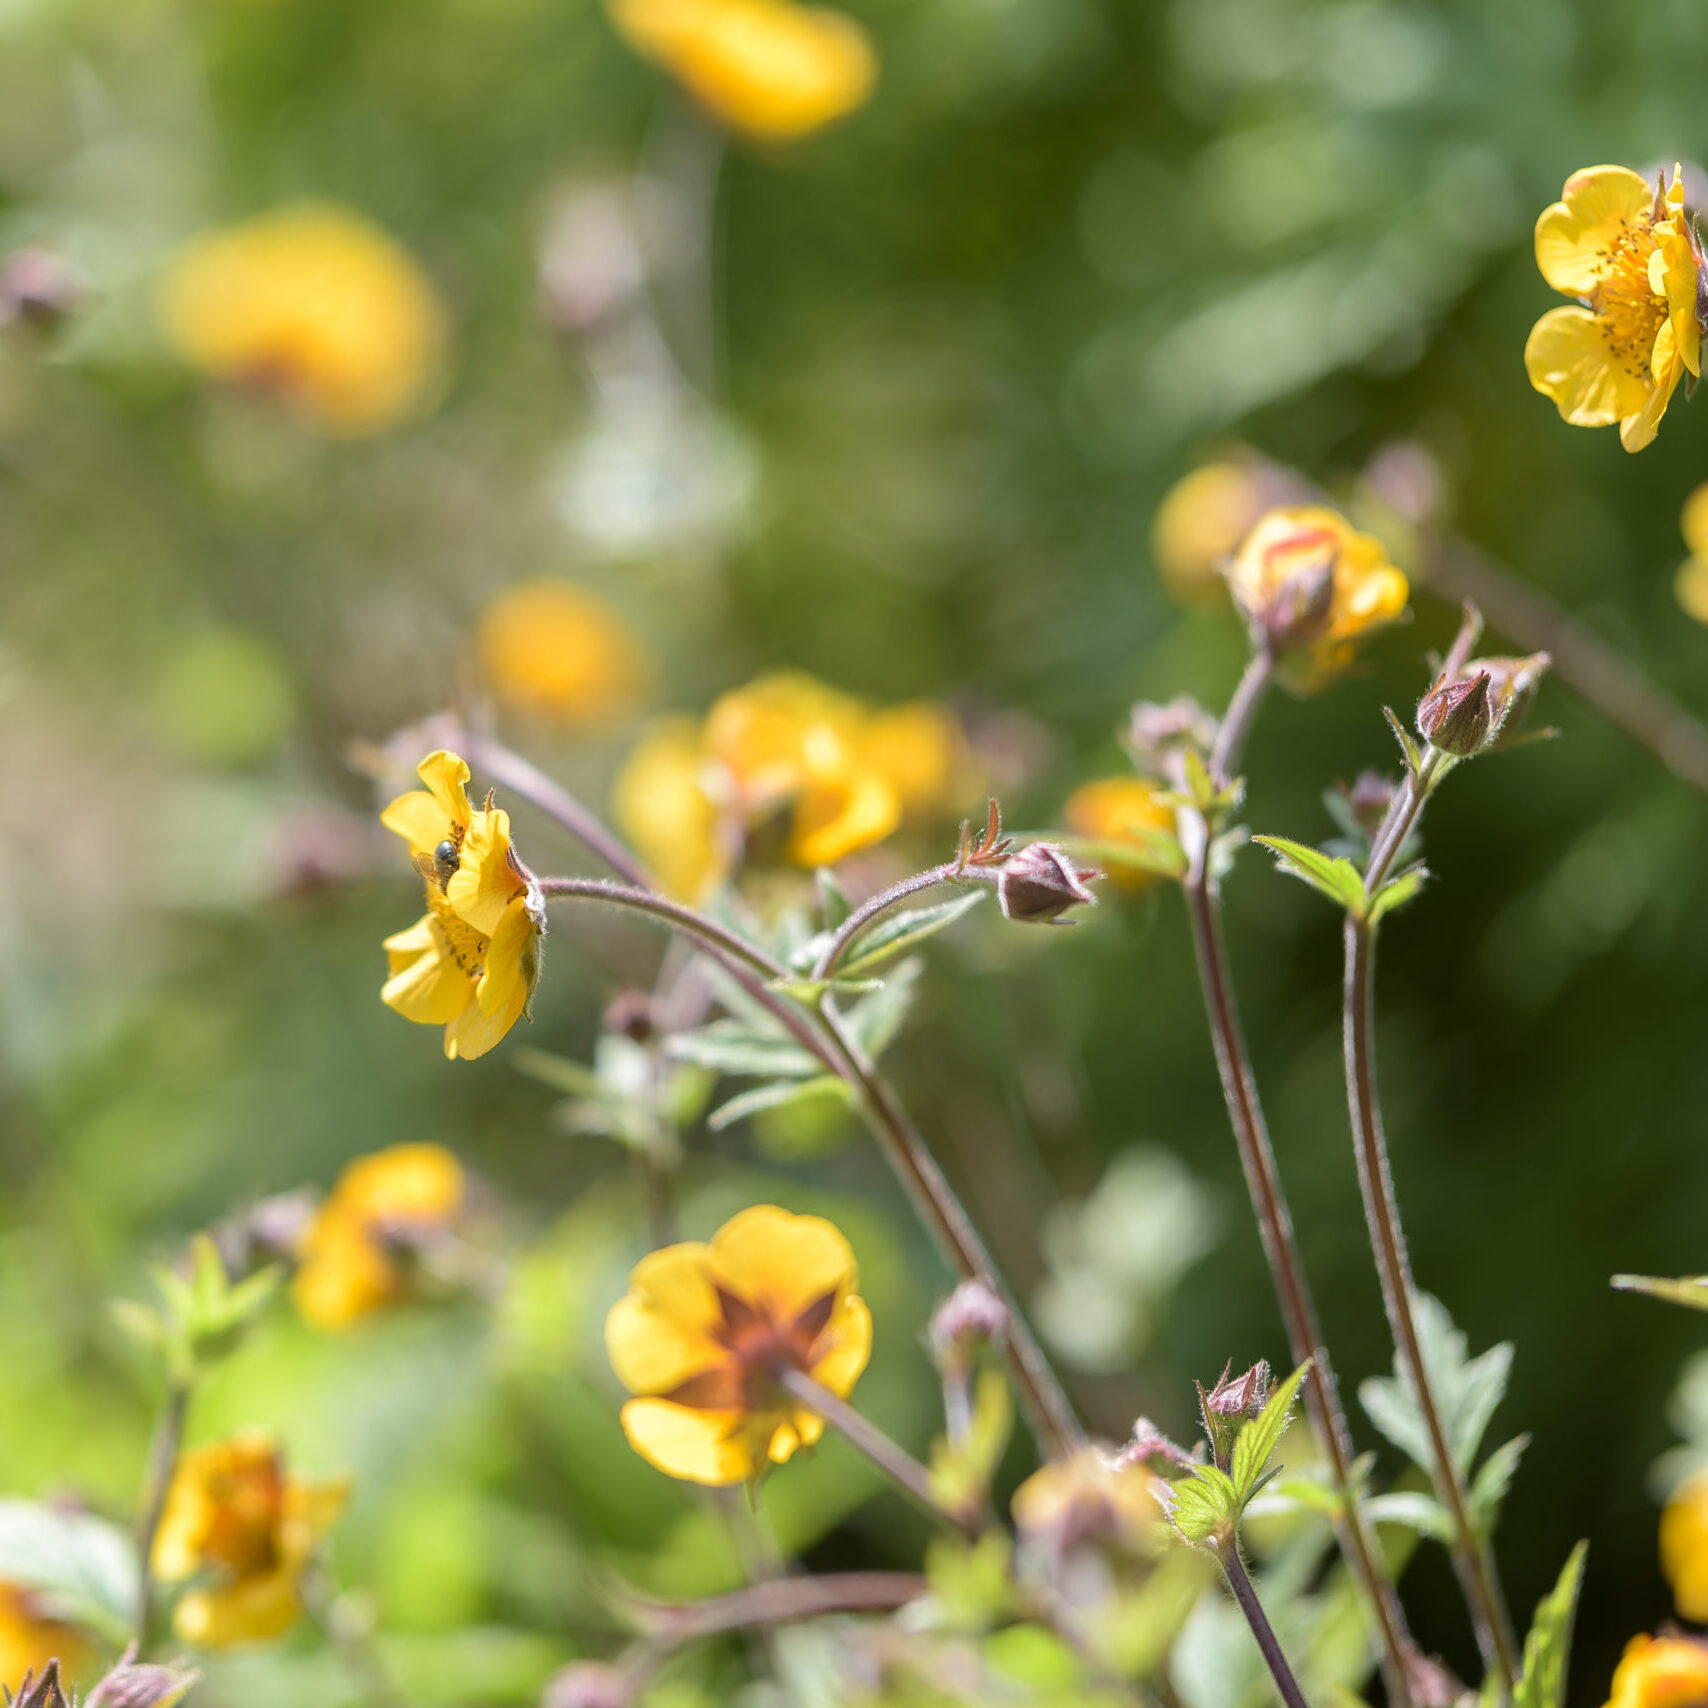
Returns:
point(30, 1638)
point(1621, 246)
point(1684, 1547)
point(551, 651)
point(234, 1513)
point(663, 806)
point(470, 962)
point(920, 750)
point(314, 301)
point(1089, 1497)
point(1691, 585)
point(772, 69)
point(704, 1327)
point(349, 1262)
point(1315, 588)
point(1661, 1672)
point(1201, 521)
point(1119, 809)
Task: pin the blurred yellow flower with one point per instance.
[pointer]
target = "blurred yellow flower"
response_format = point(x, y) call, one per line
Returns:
point(704, 1328)
point(234, 1514)
point(1314, 587)
point(316, 302)
point(1623, 248)
point(838, 773)
point(1201, 521)
point(1661, 1672)
point(553, 651)
point(1691, 585)
point(470, 962)
point(1120, 810)
point(1088, 1497)
point(772, 69)
point(29, 1639)
point(1684, 1547)
point(353, 1256)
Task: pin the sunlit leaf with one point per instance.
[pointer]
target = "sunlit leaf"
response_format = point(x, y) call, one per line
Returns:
point(1331, 874)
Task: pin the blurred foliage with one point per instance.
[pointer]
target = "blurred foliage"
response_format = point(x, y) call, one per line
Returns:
point(896, 406)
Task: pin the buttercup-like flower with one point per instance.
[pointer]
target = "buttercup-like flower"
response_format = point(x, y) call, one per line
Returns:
point(1623, 248)
point(1120, 810)
point(1206, 513)
point(1684, 1547)
point(353, 1260)
point(772, 69)
point(1093, 1496)
point(705, 1327)
point(1661, 1672)
point(316, 303)
point(832, 772)
point(233, 1512)
point(552, 651)
point(1313, 588)
point(30, 1638)
point(470, 962)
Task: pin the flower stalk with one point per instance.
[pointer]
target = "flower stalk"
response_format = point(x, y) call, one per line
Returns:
point(162, 1463)
point(1245, 1594)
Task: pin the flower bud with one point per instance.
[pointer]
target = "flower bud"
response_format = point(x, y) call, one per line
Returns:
point(590, 1684)
point(1513, 685)
point(1157, 736)
point(1040, 883)
point(42, 1692)
point(1151, 1450)
point(38, 287)
point(631, 1012)
point(129, 1685)
point(1369, 798)
point(1458, 717)
point(965, 1322)
point(1243, 1397)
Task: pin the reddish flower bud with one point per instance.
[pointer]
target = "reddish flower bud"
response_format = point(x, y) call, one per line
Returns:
point(967, 1320)
point(1458, 717)
point(1040, 883)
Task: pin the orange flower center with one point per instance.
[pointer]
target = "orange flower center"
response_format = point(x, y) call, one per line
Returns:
point(242, 1530)
point(1629, 312)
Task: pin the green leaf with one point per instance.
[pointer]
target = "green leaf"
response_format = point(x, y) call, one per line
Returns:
point(1154, 852)
point(876, 1019)
point(1258, 1438)
point(896, 933)
point(833, 902)
point(1202, 1504)
point(808, 990)
point(1398, 891)
point(1690, 1291)
point(1408, 747)
point(962, 1471)
point(84, 1568)
point(1334, 875)
point(746, 1049)
point(559, 1072)
point(1467, 1390)
point(1415, 1510)
point(1547, 1649)
point(971, 1586)
point(777, 1095)
point(1493, 1479)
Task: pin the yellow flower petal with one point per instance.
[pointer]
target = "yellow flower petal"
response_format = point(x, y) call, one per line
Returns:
point(848, 1338)
point(446, 777)
point(251, 1610)
point(551, 650)
point(426, 985)
point(661, 803)
point(839, 816)
point(696, 1446)
point(1568, 360)
point(1638, 430)
point(1573, 234)
point(1684, 1548)
point(652, 1352)
point(916, 748)
point(768, 1256)
point(485, 883)
point(420, 820)
point(1665, 1672)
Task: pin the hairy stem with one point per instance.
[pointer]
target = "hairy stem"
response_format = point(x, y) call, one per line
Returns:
point(868, 910)
point(1269, 1201)
point(1471, 1556)
point(1239, 1581)
point(163, 1454)
point(892, 1459)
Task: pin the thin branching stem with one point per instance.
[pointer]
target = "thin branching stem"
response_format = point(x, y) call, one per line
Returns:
point(777, 1602)
point(868, 910)
point(1239, 1581)
point(163, 1454)
point(1269, 1201)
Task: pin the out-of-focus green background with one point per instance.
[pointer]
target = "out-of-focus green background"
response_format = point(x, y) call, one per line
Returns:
point(960, 346)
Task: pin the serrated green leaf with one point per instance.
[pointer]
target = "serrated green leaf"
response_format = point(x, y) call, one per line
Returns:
point(744, 1049)
point(1203, 1503)
point(1547, 1650)
point(1258, 1438)
point(1493, 1479)
point(1690, 1291)
point(84, 1568)
point(1397, 892)
point(832, 900)
point(1467, 1390)
point(809, 990)
point(876, 1019)
point(777, 1095)
point(896, 933)
point(1414, 1509)
point(1331, 874)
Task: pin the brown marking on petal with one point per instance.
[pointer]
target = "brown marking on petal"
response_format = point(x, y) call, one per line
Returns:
point(809, 1325)
point(717, 1389)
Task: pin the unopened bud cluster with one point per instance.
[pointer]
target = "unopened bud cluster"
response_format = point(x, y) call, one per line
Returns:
point(1482, 707)
point(971, 1318)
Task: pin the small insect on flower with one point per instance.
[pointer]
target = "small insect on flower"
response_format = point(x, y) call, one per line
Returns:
point(774, 70)
point(705, 1329)
point(1312, 589)
point(470, 962)
point(355, 1257)
point(1661, 1672)
point(1624, 250)
point(314, 303)
point(234, 1516)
